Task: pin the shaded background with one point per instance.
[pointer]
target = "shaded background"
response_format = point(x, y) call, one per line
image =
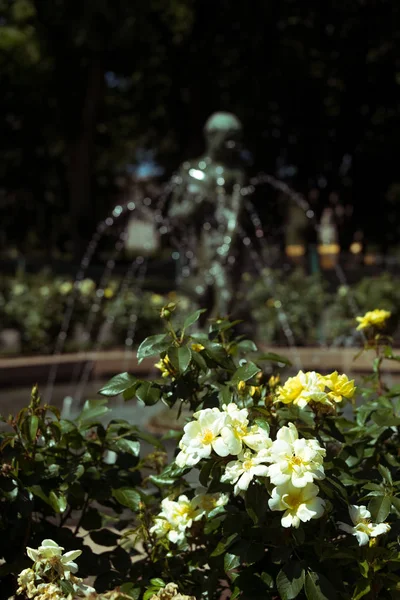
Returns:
point(89, 87)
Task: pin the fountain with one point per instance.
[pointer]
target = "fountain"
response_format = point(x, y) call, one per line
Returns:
point(207, 213)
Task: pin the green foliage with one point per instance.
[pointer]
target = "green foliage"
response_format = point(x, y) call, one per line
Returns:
point(278, 300)
point(60, 478)
point(382, 291)
point(242, 546)
point(35, 305)
point(192, 526)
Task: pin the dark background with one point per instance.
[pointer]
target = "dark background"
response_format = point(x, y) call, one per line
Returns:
point(87, 85)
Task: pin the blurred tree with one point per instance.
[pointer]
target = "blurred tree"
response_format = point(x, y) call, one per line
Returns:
point(87, 83)
point(98, 65)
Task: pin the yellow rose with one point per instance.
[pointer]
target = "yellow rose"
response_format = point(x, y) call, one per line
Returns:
point(340, 386)
point(373, 318)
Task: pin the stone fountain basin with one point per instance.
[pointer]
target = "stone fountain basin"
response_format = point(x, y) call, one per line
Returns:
point(18, 374)
point(24, 370)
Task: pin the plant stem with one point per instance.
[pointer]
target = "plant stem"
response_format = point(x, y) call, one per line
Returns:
point(84, 509)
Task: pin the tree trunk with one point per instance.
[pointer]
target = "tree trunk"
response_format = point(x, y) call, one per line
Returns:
point(80, 161)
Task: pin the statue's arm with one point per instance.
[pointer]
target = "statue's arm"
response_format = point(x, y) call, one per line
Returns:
point(181, 206)
point(185, 206)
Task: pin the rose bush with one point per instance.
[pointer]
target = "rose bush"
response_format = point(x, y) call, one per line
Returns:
point(279, 484)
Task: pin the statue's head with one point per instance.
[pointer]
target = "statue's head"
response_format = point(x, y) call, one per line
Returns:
point(223, 132)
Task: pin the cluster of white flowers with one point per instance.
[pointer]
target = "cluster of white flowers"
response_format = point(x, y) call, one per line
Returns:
point(225, 431)
point(177, 516)
point(362, 528)
point(51, 566)
point(291, 463)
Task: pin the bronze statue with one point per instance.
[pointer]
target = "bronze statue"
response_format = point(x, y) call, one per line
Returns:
point(206, 208)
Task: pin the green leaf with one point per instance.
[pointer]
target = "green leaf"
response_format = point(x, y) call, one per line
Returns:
point(379, 507)
point(199, 360)
point(205, 472)
point(180, 358)
point(190, 319)
point(256, 499)
point(92, 411)
point(396, 503)
point(168, 476)
point(118, 384)
point(67, 587)
point(127, 497)
point(290, 580)
point(225, 544)
point(364, 568)
point(157, 582)
point(245, 372)
point(386, 474)
point(58, 503)
point(317, 587)
point(33, 427)
point(247, 346)
point(277, 358)
point(38, 491)
point(231, 561)
point(130, 446)
point(153, 345)
point(362, 588)
point(148, 393)
point(262, 423)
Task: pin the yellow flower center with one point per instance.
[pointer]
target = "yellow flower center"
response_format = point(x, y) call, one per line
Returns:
point(292, 502)
point(207, 437)
point(247, 465)
point(184, 510)
point(296, 460)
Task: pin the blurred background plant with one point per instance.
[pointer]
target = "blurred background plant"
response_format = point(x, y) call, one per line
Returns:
point(33, 306)
point(278, 298)
point(339, 325)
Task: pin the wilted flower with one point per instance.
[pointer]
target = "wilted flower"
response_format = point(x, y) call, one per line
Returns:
point(50, 552)
point(49, 591)
point(170, 592)
point(373, 318)
point(26, 582)
point(363, 529)
point(299, 504)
